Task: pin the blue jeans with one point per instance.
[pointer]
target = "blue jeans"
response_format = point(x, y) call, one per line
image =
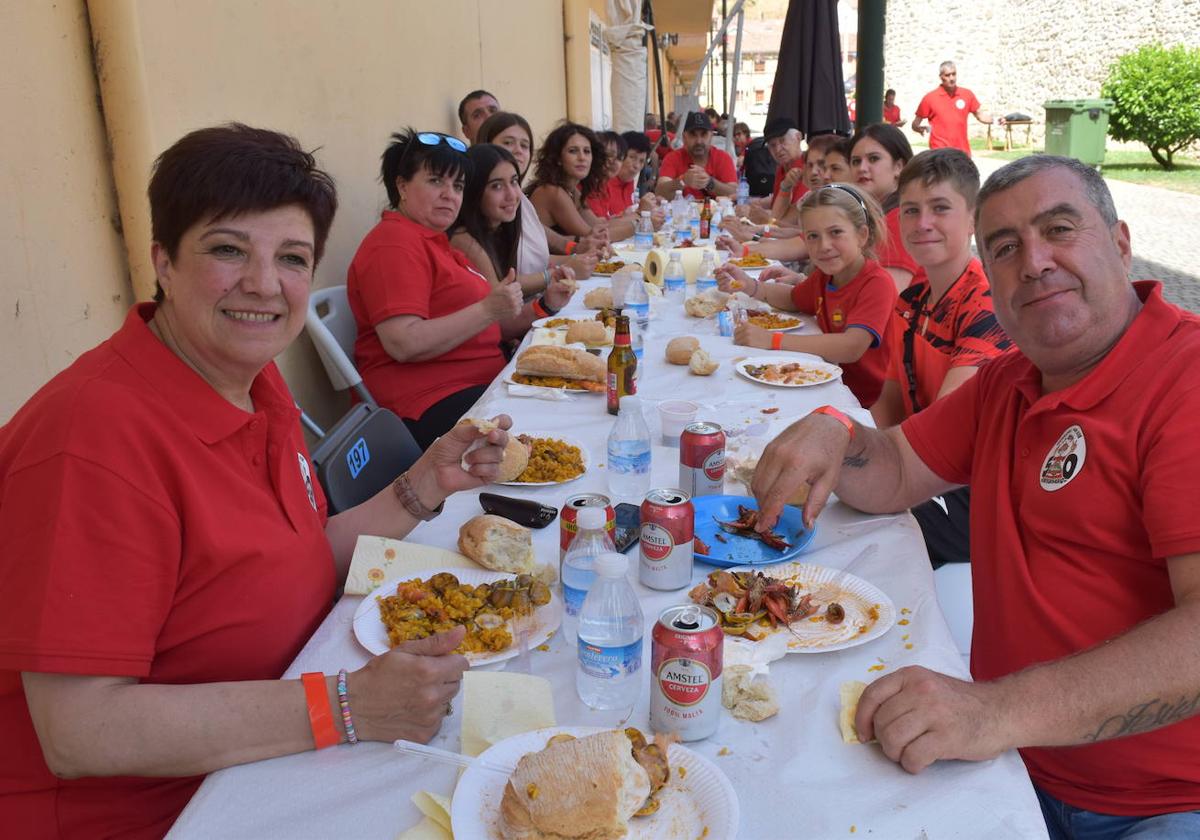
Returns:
point(1066, 822)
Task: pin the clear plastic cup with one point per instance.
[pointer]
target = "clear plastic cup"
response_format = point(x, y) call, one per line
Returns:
point(675, 415)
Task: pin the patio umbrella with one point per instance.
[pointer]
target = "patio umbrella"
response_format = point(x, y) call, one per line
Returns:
point(808, 79)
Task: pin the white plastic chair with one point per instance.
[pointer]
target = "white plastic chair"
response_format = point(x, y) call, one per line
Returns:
point(953, 584)
point(330, 325)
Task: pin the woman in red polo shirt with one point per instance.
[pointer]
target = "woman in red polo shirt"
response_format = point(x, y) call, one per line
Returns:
point(165, 551)
point(429, 323)
point(877, 154)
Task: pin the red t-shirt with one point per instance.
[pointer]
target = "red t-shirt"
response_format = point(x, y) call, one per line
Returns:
point(960, 330)
point(799, 190)
point(719, 165)
point(613, 199)
point(947, 117)
point(661, 150)
point(891, 114)
point(893, 254)
point(403, 268)
point(148, 529)
point(1077, 499)
point(865, 302)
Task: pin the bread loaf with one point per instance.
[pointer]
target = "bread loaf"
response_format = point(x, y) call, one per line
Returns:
point(565, 362)
point(497, 544)
point(702, 364)
point(591, 333)
point(599, 299)
point(706, 304)
point(680, 349)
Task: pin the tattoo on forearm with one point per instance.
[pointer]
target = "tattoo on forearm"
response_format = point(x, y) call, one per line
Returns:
point(856, 461)
point(1146, 716)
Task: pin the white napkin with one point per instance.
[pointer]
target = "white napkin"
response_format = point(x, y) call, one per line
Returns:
point(552, 394)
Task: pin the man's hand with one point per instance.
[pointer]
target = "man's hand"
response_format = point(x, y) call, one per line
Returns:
point(809, 452)
point(695, 177)
point(920, 129)
point(920, 716)
point(791, 179)
point(406, 692)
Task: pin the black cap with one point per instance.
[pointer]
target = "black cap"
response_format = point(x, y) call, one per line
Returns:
point(697, 121)
point(778, 126)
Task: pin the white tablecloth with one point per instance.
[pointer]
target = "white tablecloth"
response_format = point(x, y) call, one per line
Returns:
point(793, 775)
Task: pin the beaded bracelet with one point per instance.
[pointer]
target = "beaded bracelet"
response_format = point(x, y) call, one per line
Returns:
point(344, 703)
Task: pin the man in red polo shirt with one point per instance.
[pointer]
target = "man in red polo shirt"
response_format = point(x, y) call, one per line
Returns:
point(1084, 468)
point(696, 167)
point(946, 107)
point(784, 143)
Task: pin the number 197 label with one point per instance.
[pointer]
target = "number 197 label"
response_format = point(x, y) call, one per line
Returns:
point(358, 457)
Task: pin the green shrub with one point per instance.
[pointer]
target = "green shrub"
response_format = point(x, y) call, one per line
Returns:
point(1156, 96)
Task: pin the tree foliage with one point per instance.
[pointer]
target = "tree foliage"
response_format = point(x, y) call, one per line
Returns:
point(1156, 96)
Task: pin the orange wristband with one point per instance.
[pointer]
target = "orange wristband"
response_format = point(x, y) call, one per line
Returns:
point(836, 415)
point(776, 338)
point(320, 714)
point(571, 247)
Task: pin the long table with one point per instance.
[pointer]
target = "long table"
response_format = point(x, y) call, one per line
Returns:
point(793, 775)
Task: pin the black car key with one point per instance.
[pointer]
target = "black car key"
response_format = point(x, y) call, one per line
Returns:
point(522, 511)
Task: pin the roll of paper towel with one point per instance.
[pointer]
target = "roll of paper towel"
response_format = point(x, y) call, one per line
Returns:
point(655, 266)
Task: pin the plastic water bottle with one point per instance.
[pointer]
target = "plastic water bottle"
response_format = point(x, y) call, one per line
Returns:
point(637, 301)
point(674, 280)
point(629, 452)
point(577, 572)
point(706, 277)
point(636, 342)
point(681, 214)
point(694, 223)
point(611, 629)
point(643, 237)
point(743, 191)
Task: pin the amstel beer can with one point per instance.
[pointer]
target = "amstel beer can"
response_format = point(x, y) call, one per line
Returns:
point(570, 513)
point(667, 550)
point(685, 686)
point(702, 459)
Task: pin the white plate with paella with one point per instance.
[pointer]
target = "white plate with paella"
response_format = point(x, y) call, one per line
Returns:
point(415, 606)
point(818, 609)
point(553, 459)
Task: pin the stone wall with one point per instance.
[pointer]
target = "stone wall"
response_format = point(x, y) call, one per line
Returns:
point(1015, 55)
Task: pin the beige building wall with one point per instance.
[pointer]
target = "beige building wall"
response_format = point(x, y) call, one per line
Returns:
point(340, 76)
point(64, 285)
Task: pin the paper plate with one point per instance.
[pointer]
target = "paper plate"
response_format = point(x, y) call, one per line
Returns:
point(689, 804)
point(371, 634)
point(744, 551)
point(832, 371)
point(869, 611)
point(583, 452)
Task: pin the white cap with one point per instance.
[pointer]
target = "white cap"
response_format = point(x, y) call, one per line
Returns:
point(610, 564)
point(591, 518)
point(630, 402)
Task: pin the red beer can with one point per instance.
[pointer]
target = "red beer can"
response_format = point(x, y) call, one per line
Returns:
point(702, 459)
point(570, 512)
point(667, 550)
point(686, 654)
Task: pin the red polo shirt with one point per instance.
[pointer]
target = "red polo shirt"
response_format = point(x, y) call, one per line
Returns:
point(403, 268)
point(959, 330)
point(1078, 497)
point(148, 529)
point(947, 117)
point(798, 191)
point(613, 199)
point(866, 302)
point(719, 165)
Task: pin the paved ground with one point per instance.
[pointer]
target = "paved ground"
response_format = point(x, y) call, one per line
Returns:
point(1165, 229)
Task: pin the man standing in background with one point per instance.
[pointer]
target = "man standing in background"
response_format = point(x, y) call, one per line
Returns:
point(946, 107)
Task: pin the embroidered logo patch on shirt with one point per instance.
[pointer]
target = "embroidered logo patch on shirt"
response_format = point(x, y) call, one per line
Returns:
point(837, 318)
point(306, 474)
point(1064, 461)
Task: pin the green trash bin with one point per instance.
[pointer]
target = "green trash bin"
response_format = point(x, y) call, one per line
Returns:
point(1077, 128)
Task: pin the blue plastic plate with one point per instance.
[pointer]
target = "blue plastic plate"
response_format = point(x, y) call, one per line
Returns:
point(743, 551)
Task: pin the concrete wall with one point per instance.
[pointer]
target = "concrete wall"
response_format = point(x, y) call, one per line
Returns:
point(1017, 55)
point(340, 75)
point(64, 286)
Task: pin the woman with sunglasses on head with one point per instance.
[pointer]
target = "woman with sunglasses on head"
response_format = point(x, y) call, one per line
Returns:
point(488, 228)
point(540, 247)
point(877, 155)
point(570, 168)
point(429, 323)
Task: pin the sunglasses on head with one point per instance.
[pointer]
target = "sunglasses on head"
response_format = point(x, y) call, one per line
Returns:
point(432, 138)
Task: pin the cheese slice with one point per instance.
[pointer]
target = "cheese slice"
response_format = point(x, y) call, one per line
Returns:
point(500, 704)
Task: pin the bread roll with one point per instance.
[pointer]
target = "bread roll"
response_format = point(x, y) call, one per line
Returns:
point(679, 350)
point(706, 304)
point(516, 454)
point(702, 364)
point(748, 698)
point(582, 788)
point(591, 333)
point(599, 299)
point(565, 362)
point(497, 544)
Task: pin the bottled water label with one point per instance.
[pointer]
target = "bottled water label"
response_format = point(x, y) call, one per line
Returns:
point(631, 463)
point(704, 283)
point(643, 241)
point(610, 663)
point(573, 600)
point(675, 284)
